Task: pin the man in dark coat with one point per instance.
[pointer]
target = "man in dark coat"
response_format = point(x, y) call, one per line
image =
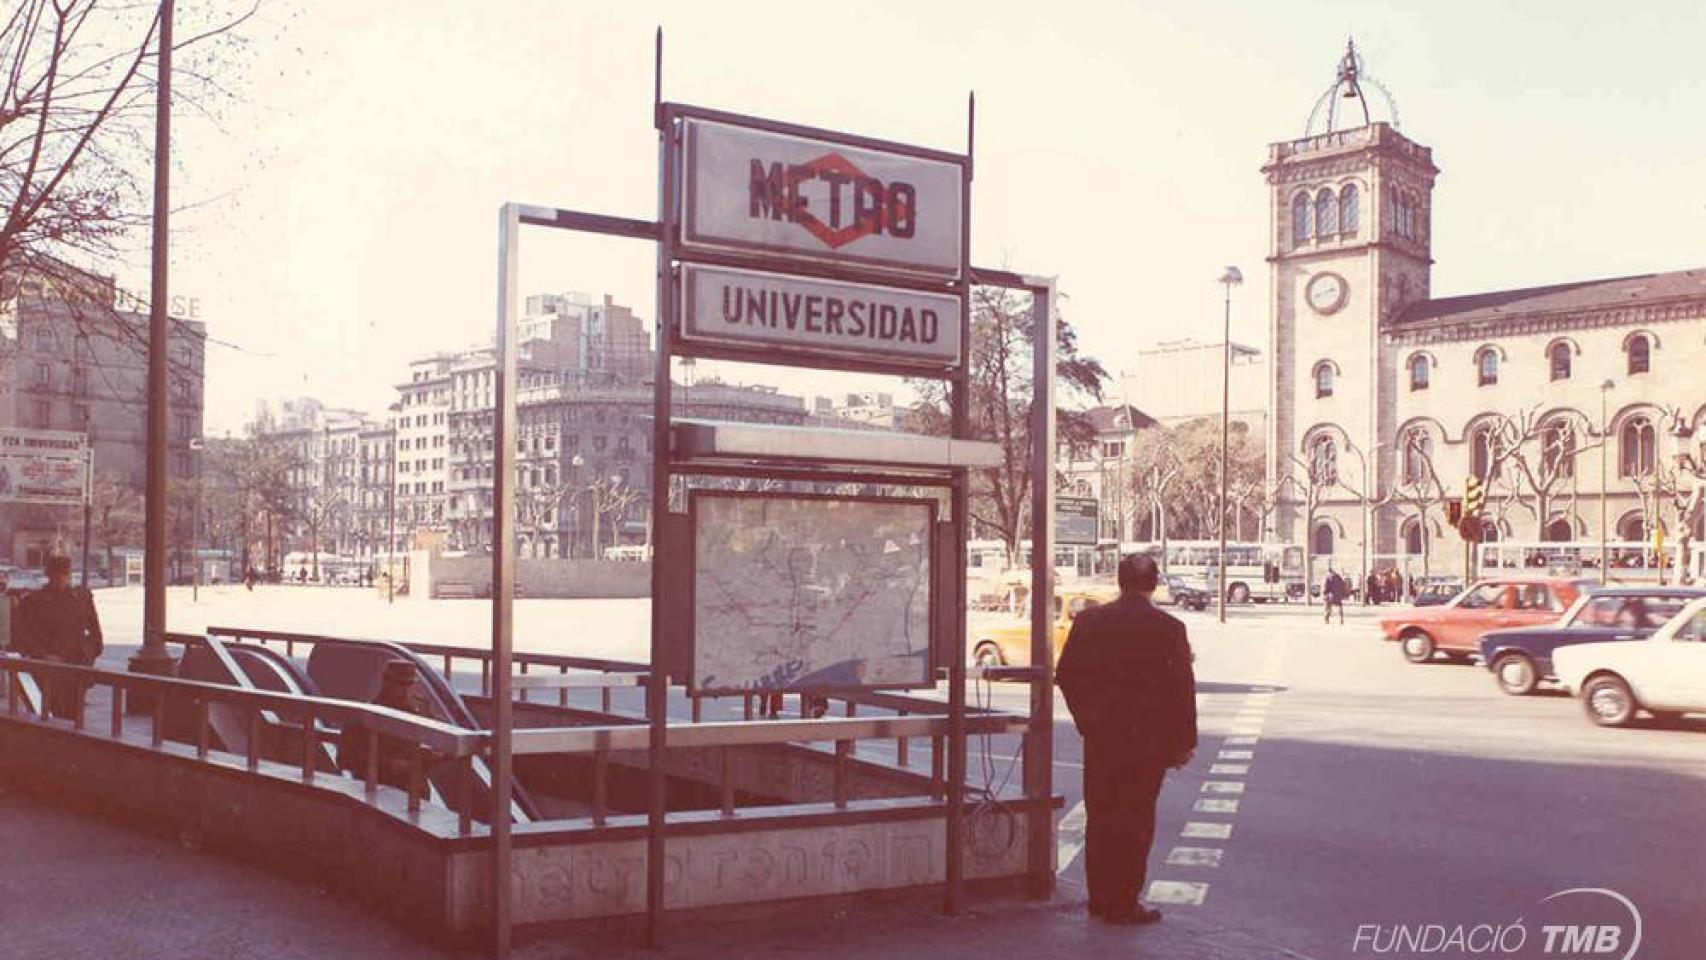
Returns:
point(1126, 673)
point(58, 623)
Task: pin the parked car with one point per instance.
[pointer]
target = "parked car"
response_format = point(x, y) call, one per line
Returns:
point(1455, 628)
point(1174, 590)
point(1665, 674)
point(1521, 659)
point(32, 578)
point(1434, 593)
point(1007, 641)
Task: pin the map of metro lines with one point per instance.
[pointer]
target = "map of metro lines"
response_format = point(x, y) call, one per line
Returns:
point(801, 593)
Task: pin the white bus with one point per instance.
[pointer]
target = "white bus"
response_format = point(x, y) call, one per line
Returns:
point(1260, 572)
point(1625, 561)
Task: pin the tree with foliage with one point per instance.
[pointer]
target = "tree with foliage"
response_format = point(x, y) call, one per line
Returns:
point(115, 515)
point(1002, 344)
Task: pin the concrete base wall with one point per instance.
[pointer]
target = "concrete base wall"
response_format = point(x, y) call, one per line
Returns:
point(536, 578)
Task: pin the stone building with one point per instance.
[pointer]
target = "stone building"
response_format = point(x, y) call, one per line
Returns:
point(1385, 398)
point(1102, 469)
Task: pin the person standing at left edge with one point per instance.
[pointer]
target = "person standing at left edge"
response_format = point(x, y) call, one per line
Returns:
point(1126, 674)
point(58, 624)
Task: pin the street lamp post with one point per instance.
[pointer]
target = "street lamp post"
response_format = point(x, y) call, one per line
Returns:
point(197, 446)
point(1604, 482)
point(1231, 278)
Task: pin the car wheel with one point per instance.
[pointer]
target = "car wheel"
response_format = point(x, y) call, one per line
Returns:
point(1238, 594)
point(987, 655)
point(1516, 674)
point(1418, 647)
point(1609, 701)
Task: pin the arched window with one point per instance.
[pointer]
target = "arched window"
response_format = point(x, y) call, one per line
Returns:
point(1300, 218)
point(1640, 355)
point(1323, 379)
point(1490, 532)
point(1558, 449)
point(1418, 456)
point(1348, 209)
point(1393, 220)
point(1326, 214)
point(1412, 537)
point(1323, 462)
point(1639, 446)
point(1487, 367)
point(1558, 357)
point(1558, 531)
point(1632, 527)
point(1419, 371)
point(1322, 543)
point(1483, 454)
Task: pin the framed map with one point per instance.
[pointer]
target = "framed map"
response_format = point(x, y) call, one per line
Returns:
point(806, 592)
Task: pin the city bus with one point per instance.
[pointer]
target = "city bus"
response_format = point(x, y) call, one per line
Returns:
point(1259, 572)
point(1626, 561)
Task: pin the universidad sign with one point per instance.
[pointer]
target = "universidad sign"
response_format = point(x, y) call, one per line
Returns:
point(800, 314)
point(781, 195)
point(43, 466)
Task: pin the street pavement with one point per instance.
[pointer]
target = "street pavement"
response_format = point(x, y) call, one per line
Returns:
point(1336, 787)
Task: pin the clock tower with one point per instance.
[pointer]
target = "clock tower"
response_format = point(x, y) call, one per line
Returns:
point(1351, 209)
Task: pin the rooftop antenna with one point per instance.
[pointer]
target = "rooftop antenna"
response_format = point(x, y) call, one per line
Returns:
point(1348, 84)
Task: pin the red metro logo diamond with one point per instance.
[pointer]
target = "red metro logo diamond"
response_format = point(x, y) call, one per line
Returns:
point(832, 199)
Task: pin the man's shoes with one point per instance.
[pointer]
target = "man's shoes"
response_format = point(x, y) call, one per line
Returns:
point(1135, 917)
point(1097, 910)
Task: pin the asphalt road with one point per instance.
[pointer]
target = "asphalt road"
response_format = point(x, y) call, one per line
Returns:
point(1373, 793)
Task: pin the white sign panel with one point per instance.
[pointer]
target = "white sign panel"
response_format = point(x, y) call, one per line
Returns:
point(43, 466)
point(789, 196)
point(746, 308)
point(800, 593)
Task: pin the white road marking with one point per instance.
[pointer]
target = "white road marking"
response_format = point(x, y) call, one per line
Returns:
point(1242, 741)
point(1200, 830)
point(1071, 837)
point(1195, 856)
point(1229, 769)
point(1236, 755)
point(1223, 786)
point(1215, 805)
point(1175, 892)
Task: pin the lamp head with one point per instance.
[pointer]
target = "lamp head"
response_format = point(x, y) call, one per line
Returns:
point(1232, 277)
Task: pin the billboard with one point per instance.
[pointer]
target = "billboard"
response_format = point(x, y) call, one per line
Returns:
point(43, 466)
point(805, 592)
point(749, 308)
point(1076, 521)
point(789, 196)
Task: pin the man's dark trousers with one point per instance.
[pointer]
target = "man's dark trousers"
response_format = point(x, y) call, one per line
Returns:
point(1120, 789)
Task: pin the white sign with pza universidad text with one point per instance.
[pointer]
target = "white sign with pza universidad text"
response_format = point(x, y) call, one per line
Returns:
point(750, 309)
point(787, 196)
point(43, 466)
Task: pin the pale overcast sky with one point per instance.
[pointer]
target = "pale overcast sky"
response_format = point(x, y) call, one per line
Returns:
point(1118, 147)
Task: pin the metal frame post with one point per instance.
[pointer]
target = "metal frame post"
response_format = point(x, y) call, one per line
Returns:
point(503, 576)
point(960, 497)
point(1039, 733)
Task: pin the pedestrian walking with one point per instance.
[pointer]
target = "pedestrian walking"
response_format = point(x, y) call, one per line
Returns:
point(1126, 674)
point(58, 624)
point(1371, 589)
point(1333, 596)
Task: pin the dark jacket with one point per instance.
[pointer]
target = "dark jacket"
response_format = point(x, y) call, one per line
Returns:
point(1126, 673)
point(58, 622)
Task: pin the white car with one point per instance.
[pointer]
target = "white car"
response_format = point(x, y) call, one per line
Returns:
point(1664, 674)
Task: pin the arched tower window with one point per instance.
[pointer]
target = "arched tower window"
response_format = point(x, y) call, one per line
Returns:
point(1559, 530)
point(1412, 534)
point(1487, 367)
point(1558, 358)
point(1420, 371)
point(1638, 447)
point(1418, 456)
point(1632, 527)
point(1348, 208)
point(1326, 214)
point(1323, 462)
point(1393, 222)
point(1300, 218)
point(1640, 354)
point(1323, 379)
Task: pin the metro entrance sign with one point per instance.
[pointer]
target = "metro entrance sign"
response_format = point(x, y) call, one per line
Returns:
point(894, 210)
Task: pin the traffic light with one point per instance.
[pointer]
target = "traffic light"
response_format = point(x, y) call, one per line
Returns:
point(1474, 496)
point(1454, 511)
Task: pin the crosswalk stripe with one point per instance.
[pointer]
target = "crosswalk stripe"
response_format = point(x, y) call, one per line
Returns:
point(1215, 805)
point(1176, 892)
point(1195, 856)
point(1242, 741)
point(1071, 837)
point(1200, 830)
point(1236, 755)
point(1223, 786)
point(1229, 769)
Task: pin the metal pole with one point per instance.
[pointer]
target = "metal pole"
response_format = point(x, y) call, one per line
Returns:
point(1039, 733)
point(88, 494)
point(503, 576)
point(657, 683)
point(1231, 278)
point(959, 394)
point(153, 658)
point(1604, 488)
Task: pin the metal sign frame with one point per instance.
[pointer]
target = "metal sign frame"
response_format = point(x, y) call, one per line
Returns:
point(665, 232)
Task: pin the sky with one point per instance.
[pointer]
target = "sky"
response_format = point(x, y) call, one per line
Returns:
point(341, 217)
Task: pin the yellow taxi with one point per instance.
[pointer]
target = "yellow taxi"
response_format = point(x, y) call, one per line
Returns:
point(1006, 641)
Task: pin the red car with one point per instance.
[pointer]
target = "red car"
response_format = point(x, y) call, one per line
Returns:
point(1455, 628)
